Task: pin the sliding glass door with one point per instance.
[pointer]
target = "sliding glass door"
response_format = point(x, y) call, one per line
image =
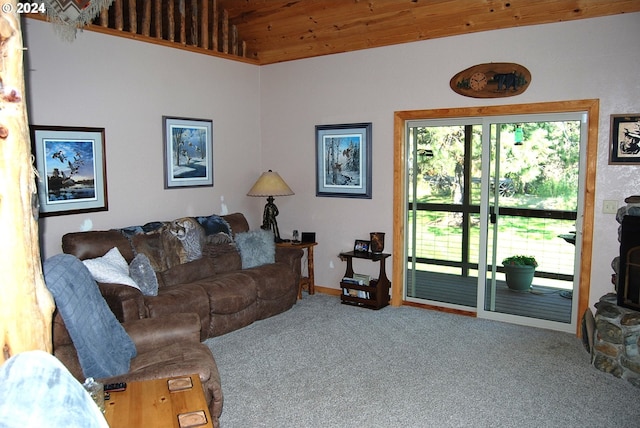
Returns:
point(443, 211)
point(482, 189)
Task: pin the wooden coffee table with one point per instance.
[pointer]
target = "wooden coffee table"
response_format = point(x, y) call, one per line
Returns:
point(151, 404)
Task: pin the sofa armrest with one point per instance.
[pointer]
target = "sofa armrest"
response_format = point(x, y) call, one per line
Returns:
point(126, 303)
point(290, 256)
point(150, 334)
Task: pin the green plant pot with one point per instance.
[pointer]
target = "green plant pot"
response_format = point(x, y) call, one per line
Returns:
point(519, 278)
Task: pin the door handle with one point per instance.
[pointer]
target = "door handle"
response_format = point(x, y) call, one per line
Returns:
point(492, 215)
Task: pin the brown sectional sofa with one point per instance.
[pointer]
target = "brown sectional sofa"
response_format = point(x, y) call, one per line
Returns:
point(225, 296)
point(195, 300)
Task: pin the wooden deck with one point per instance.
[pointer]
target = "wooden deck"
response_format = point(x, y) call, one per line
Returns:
point(542, 302)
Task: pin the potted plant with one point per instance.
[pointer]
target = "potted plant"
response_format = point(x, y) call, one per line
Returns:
point(519, 271)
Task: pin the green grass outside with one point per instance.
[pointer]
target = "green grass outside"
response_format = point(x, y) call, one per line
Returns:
point(440, 237)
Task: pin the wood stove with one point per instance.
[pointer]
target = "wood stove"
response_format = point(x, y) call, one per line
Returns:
point(628, 281)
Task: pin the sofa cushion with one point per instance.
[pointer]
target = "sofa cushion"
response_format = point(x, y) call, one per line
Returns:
point(214, 250)
point(237, 222)
point(96, 243)
point(143, 274)
point(111, 268)
point(180, 298)
point(256, 247)
point(273, 280)
point(187, 272)
point(214, 226)
point(225, 257)
point(230, 292)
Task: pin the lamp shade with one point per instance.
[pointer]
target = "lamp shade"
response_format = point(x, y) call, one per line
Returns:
point(270, 184)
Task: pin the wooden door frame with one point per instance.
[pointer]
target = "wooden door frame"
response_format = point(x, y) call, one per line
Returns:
point(591, 106)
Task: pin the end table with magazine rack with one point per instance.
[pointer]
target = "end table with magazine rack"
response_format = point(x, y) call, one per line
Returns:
point(375, 294)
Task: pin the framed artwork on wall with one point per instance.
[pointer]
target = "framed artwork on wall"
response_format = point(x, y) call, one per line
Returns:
point(71, 165)
point(343, 160)
point(625, 139)
point(188, 152)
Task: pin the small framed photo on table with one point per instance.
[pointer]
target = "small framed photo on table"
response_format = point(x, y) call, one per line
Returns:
point(361, 246)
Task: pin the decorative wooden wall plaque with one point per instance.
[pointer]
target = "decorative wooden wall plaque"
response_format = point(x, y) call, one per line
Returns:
point(492, 80)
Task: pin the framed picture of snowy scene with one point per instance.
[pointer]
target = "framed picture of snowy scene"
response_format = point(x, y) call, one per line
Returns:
point(71, 168)
point(343, 160)
point(188, 152)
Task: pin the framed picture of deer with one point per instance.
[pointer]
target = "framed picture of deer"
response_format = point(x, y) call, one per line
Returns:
point(343, 160)
point(188, 152)
point(71, 167)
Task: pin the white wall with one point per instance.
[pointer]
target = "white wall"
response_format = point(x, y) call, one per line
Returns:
point(126, 87)
point(595, 58)
point(264, 118)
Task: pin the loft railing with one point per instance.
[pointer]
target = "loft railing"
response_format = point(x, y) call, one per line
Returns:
point(197, 25)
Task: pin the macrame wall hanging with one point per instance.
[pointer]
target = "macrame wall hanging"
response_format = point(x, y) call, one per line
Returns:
point(70, 15)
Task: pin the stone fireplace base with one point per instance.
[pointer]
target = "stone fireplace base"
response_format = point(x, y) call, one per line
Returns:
point(616, 340)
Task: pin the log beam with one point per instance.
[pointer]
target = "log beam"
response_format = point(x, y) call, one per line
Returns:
point(27, 305)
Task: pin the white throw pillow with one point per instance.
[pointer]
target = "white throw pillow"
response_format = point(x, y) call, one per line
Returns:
point(111, 268)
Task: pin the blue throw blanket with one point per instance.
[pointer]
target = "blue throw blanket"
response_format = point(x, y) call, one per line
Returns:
point(104, 348)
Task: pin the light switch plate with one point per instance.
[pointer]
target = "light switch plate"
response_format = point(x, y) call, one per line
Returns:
point(610, 207)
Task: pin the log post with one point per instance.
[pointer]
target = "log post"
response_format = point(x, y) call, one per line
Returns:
point(27, 305)
point(119, 17)
point(234, 40)
point(146, 18)
point(215, 18)
point(183, 21)
point(104, 17)
point(194, 23)
point(133, 17)
point(204, 24)
point(225, 31)
point(158, 14)
point(171, 22)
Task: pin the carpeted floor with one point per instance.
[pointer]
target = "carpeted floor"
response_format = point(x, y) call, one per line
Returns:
point(323, 364)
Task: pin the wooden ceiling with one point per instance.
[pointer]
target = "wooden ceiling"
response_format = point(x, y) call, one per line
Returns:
point(284, 30)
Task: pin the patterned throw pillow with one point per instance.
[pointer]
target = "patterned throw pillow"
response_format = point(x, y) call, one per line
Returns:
point(143, 274)
point(256, 247)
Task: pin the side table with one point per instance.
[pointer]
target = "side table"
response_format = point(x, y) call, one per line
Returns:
point(376, 291)
point(152, 403)
point(309, 280)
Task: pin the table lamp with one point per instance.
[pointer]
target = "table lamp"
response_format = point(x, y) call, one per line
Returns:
point(270, 184)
